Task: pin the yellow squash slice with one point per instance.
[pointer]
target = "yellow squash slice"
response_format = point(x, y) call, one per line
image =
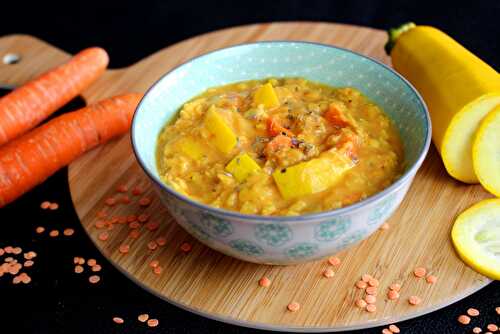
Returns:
point(312, 176)
point(224, 137)
point(266, 95)
point(458, 87)
point(476, 237)
point(242, 166)
point(486, 152)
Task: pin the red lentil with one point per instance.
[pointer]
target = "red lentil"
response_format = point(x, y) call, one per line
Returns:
point(124, 248)
point(96, 268)
point(334, 261)
point(118, 320)
point(492, 327)
point(186, 247)
point(125, 199)
point(431, 279)
point(78, 269)
point(328, 273)
point(157, 270)
point(293, 307)
point(136, 191)
point(361, 285)
point(392, 295)
point(264, 282)
point(153, 322)
point(143, 317)
point(369, 299)
point(45, 205)
point(154, 263)
point(395, 287)
point(476, 330)
point(103, 236)
point(91, 262)
point(373, 282)
point(386, 331)
point(81, 261)
point(463, 319)
point(94, 279)
point(134, 225)
point(361, 303)
point(152, 226)
point(152, 245)
point(414, 300)
point(371, 290)
point(145, 201)
point(161, 241)
point(53, 206)
point(473, 312)
point(143, 217)
point(68, 232)
point(131, 218)
point(100, 224)
point(371, 308)
point(394, 329)
point(122, 188)
point(497, 309)
point(110, 201)
point(17, 250)
point(28, 263)
point(419, 272)
point(8, 249)
point(134, 234)
point(101, 214)
point(366, 277)
point(40, 229)
point(54, 233)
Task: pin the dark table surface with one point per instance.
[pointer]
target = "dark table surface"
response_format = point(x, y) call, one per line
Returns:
point(58, 300)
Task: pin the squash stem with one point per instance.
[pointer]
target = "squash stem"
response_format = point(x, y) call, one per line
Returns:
point(394, 34)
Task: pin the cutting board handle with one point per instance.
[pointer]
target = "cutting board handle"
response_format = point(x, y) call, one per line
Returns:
point(33, 56)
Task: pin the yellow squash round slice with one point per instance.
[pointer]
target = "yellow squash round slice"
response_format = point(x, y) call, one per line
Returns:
point(486, 152)
point(476, 236)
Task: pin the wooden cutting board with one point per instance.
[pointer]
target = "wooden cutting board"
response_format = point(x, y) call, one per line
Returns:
point(211, 284)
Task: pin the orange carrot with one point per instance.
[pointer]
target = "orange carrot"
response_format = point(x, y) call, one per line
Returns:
point(336, 117)
point(277, 143)
point(274, 128)
point(33, 157)
point(31, 103)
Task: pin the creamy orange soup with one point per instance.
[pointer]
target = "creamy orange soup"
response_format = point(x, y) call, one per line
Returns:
point(279, 147)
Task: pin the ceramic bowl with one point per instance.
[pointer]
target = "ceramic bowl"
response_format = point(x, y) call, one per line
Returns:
point(283, 240)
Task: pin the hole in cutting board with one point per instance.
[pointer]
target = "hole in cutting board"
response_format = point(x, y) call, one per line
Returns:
point(11, 59)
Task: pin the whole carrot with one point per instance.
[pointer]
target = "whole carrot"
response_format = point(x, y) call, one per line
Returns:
point(31, 103)
point(33, 157)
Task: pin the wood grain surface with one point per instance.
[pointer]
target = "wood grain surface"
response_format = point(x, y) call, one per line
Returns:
point(223, 288)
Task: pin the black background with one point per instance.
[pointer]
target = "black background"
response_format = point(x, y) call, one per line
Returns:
point(59, 301)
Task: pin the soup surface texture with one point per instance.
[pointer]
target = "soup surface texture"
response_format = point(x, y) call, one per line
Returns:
point(279, 147)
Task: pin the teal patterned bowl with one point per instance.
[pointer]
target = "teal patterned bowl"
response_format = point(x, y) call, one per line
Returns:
point(283, 240)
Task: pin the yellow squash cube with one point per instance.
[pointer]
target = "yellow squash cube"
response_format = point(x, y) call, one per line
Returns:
point(242, 166)
point(312, 176)
point(266, 95)
point(191, 148)
point(225, 139)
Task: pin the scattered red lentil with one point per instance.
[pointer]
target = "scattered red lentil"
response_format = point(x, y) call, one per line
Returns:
point(476, 330)
point(393, 294)
point(361, 284)
point(328, 273)
point(420, 272)
point(373, 282)
point(28, 263)
point(122, 188)
point(492, 327)
point(94, 279)
point(157, 270)
point(125, 199)
point(414, 300)
point(131, 218)
point(17, 250)
point(30, 255)
point(96, 268)
point(369, 299)
point(152, 245)
point(121, 220)
point(360, 303)
point(394, 329)
point(366, 277)
point(25, 278)
point(53, 206)
point(100, 224)
point(463, 319)
point(54, 233)
point(134, 234)
point(8, 249)
point(134, 225)
point(103, 236)
point(91, 262)
point(371, 308)
point(136, 191)
point(81, 260)
point(101, 214)
point(154, 263)
point(16, 280)
point(45, 205)
point(143, 317)
point(371, 290)
point(68, 232)
point(334, 261)
point(152, 226)
point(76, 260)
point(395, 287)
point(431, 279)
point(2, 252)
point(124, 248)
point(161, 241)
point(145, 201)
point(264, 282)
point(40, 229)
point(186, 247)
point(473, 312)
point(153, 322)
point(118, 320)
point(385, 226)
point(497, 309)
point(386, 331)
point(110, 201)
point(9, 259)
point(78, 269)
point(293, 307)
point(143, 217)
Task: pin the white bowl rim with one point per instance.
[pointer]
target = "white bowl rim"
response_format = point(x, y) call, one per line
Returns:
point(406, 177)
